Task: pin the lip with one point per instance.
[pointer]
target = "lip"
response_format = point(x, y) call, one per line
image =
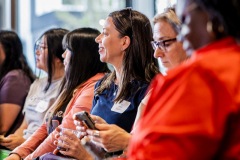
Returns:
point(100, 49)
point(165, 62)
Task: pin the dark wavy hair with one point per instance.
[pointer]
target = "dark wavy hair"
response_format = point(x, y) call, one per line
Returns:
point(138, 60)
point(54, 39)
point(84, 62)
point(225, 13)
point(13, 50)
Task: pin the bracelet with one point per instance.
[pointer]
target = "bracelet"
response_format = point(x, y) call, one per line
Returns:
point(16, 154)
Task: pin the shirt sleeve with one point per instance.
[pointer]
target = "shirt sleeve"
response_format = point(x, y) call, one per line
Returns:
point(182, 119)
point(82, 103)
point(32, 142)
point(14, 89)
point(140, 109)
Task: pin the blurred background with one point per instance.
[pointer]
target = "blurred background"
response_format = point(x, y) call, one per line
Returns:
point(30, 18)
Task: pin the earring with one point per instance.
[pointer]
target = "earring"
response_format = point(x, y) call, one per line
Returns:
point(209, 27)
point(121, 49)
point(220, 29)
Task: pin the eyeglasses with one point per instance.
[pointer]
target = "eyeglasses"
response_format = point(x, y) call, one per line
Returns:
point(39, 47)
point(130, 11)
point(162, 44)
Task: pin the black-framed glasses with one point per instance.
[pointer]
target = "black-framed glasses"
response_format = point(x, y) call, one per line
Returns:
point(162, 44)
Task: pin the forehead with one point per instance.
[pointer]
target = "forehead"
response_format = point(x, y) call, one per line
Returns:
point(163, 30)
point(108, 25)
point(43, 40)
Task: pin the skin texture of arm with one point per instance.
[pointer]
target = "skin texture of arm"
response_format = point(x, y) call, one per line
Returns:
point(7, 118)
point(16, 139)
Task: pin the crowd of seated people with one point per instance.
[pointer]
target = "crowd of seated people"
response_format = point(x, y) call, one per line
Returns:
point(193, 112)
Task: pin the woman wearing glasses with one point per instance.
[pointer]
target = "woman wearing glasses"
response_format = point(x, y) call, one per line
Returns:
point(44, 91)
point(194, 112)
point(113, 138)
point(165, 44)
point(83, 69)
point(118, 95)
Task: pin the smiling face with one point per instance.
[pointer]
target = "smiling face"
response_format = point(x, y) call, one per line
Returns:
point(67, 56)
point(174, 53)
point(110, 45)
point(42, 54)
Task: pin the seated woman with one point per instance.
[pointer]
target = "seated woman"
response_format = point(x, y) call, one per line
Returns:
point(44, 91)
point(15, 80)
point(194, 112)
point(83, 70)
point(113, 138)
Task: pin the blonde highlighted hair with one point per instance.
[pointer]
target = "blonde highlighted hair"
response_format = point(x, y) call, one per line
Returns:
point(170, 16)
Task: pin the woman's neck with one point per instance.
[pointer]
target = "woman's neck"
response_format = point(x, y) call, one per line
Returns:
point(118, 74)
point(58, 73)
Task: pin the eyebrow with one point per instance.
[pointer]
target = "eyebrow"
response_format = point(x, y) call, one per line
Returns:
point(162, 38)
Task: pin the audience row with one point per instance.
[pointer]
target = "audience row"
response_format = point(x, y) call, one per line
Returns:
point(191, 113)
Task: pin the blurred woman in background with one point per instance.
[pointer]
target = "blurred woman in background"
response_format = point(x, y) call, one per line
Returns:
point(44, 91)
point(15, 80)
point(83, 69)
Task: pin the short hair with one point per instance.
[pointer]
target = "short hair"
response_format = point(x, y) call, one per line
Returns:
point(170, 16)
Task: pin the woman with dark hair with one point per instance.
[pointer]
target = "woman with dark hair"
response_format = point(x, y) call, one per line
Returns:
point(15, 80)
point(171, 53)
point(83, 70)
point(126, 44)
point(44, 91)
point(194, 112)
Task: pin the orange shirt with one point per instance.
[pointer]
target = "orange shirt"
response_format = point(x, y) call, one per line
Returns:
point(40, 142)
point(194, 112)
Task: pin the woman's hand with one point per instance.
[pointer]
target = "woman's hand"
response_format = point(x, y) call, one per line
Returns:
point(13, 157)
point(82, 128)
point(72, 146)
point(110, 137)
point(12, 141)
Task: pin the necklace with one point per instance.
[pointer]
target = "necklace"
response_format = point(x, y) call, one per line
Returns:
point(115, 90)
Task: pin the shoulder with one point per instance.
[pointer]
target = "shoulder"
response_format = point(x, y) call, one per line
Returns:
point(16, 76)
point(101, 80)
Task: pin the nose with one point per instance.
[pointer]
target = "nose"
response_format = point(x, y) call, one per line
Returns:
point(64, 54)
point(158, 53)
point(99, 38)
point(37, 52)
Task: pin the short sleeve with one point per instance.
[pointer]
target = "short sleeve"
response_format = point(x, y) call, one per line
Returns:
point(14, 89)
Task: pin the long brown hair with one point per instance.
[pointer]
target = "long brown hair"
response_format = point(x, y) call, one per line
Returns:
point(84, 64)
point(138, 61)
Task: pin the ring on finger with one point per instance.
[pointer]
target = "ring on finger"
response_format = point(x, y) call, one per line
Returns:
point(68, 148)
point(96, 134)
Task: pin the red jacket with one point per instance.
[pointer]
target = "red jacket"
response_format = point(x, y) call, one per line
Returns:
point(194, 112)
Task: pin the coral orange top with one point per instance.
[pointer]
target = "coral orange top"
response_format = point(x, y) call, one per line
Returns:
point(40, 142)
point(194, 112)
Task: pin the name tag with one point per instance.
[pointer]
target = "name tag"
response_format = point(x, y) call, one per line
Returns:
point(41, 106)
point(120, 107)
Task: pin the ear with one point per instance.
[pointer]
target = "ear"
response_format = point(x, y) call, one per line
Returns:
point(58, 60)
point(125, 42)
